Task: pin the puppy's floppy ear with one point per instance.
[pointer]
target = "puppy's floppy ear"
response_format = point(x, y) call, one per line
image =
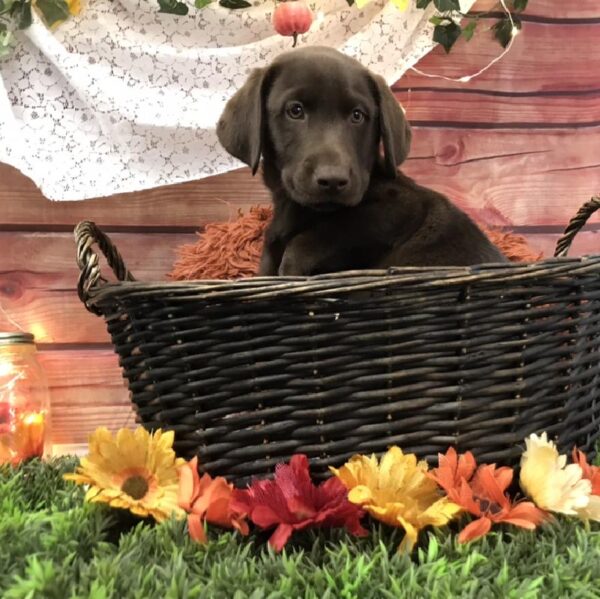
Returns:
point(394, 128)
point(240, 128)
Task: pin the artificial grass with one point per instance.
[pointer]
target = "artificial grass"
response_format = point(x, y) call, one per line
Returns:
point(54, 546)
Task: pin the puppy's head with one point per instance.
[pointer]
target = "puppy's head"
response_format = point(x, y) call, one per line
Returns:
point(318, 118)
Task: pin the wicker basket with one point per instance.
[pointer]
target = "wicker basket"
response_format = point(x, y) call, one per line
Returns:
point(250, 372)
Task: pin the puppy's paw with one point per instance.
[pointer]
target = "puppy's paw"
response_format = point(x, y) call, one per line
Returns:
point(292, 265)
point(289, 268)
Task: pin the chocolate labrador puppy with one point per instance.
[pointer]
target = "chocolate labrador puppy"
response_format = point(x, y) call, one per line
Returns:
point(318, 119)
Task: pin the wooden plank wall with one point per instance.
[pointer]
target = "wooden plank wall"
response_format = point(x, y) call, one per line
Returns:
point(518, 147)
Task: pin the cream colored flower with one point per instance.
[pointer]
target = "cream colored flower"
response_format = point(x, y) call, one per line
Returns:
point(547, 479)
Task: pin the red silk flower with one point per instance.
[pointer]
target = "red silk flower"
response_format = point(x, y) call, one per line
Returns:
point(293, 502)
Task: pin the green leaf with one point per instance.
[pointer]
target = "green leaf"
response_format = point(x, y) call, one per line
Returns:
point(503, 30)
point(6, 39)
point(435, 20)
point(469, 30)
point(520, 5)
point(21, 12)
point(446, 5)
point(173, 7)
point(5, 6)
point(53, 11)
point(423, 3)
point(234, 4)
point(202, 3)
point(446, 35)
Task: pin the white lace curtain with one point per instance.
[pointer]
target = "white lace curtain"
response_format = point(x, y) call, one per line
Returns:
point(123, 98)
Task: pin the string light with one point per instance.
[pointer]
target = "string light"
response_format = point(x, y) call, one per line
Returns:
point(466, 78)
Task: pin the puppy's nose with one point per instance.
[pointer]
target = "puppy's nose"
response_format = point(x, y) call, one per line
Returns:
point(331, 179)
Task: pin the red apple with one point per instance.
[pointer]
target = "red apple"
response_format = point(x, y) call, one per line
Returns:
point(292, 17)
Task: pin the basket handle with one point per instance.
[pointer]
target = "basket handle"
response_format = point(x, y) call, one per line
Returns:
point(86, 235)
point(577, 222)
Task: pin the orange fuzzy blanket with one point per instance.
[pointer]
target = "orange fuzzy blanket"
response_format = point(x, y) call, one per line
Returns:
point(232, 250)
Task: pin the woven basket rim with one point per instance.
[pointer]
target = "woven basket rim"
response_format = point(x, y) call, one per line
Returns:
point(342, 283)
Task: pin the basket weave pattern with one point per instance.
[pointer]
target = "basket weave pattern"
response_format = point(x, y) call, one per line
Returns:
point(250, 372)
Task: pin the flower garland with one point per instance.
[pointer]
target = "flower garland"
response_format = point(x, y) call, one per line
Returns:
point(290, 17)
point(138, 471)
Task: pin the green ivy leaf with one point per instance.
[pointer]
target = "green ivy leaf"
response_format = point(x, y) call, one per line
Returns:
point(5, 6)
point(423, 3)
point(503, 30)
point(446, 35)
point(6, 39)
point(446, 5)
point(436, 20)
point(469, 30)
point(234, 4)
point(202, 3)
point(21, 12)
point(173, 7)
point(520, 5)
point(53, 11)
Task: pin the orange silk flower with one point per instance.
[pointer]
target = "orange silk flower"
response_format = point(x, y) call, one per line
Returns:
point(592, 473)
point(482, 493)
point(207, 499)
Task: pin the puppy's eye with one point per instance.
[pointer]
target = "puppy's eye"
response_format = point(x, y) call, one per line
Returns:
point(295, 111)
point(357, 117)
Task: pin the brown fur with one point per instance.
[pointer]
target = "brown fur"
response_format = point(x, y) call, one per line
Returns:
point(318, 119)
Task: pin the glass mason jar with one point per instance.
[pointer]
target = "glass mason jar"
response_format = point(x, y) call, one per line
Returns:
point(24, 400)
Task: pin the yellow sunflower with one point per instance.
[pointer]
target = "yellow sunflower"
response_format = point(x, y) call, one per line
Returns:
point(397, 491)
point(136, 470)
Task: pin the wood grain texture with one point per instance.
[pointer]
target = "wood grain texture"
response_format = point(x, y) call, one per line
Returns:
point(550, 9)
point(545, 58)
point(472, 106)
point(510, 177)
point(38, 279)
point(86, 391)
point(185, 205)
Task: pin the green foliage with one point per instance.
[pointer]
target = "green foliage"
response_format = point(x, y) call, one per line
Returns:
point(54, 546)
point(173, 7)
point(469, 30)
point(53, 11)
point(201, 3)
point(20, 11)
point(234, 4)
point(446, 34)
point(520, 5)
point(503, 30)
